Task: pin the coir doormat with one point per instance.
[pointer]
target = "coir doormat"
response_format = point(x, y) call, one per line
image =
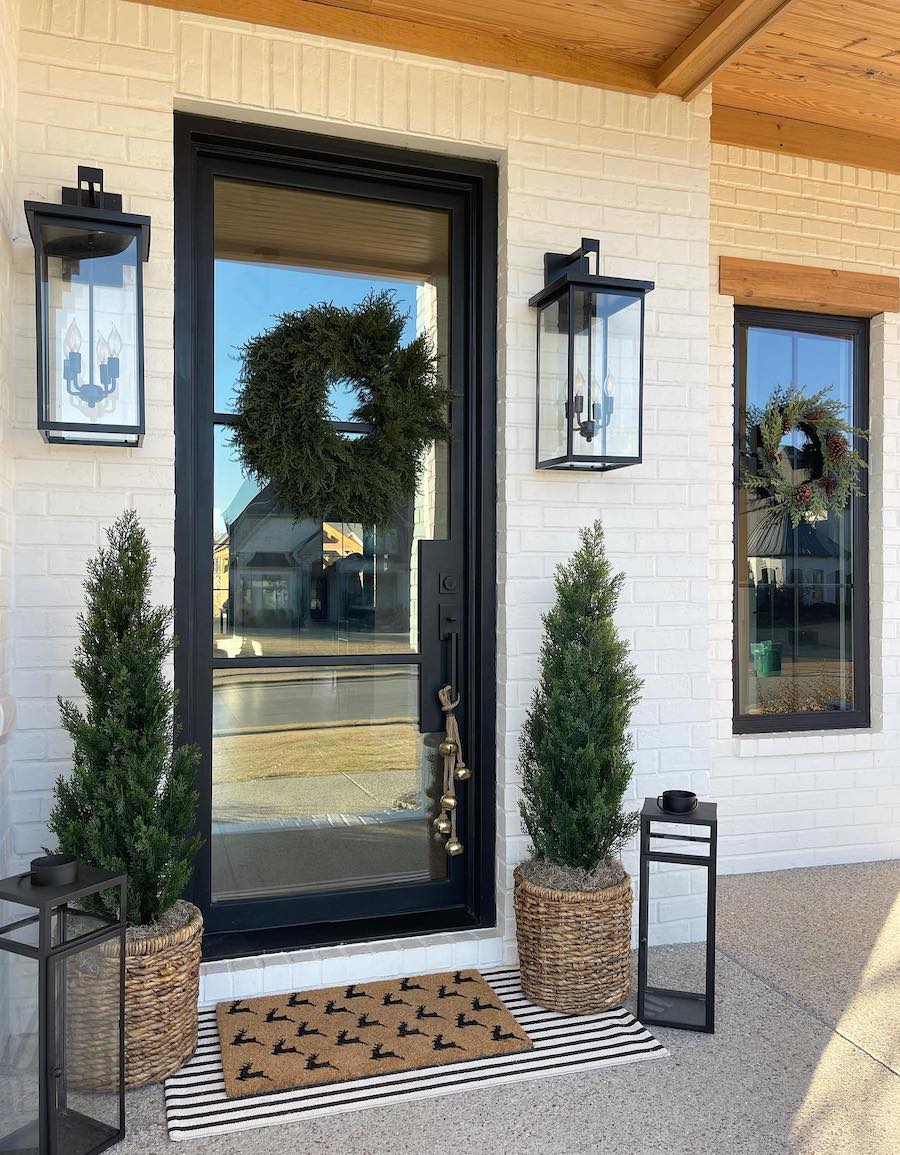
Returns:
point(197, 1105)
point(354, 1032)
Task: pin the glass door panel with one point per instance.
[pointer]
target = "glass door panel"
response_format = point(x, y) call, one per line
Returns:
point(286, 587)
point(321, 779)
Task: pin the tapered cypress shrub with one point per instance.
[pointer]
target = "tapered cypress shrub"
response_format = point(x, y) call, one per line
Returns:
point(575, 757)
point(130, 803)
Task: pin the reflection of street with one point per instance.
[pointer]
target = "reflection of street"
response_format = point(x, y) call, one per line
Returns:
point(316, 640)
point(293, 744)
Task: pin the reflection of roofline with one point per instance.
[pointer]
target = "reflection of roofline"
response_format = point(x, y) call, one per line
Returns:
point(771, 535)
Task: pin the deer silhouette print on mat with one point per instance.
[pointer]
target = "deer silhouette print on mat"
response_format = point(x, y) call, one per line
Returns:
point(422, 1013)
point(409, 985)
point(313, 1064)
point(331, 1008)
point(378, 1052)
point(459, 977)
point(438, 1044)
point(281, 1048)
point(273, 1016)
point(499, 1036)
point(390, 1001)
point(364, 1021)
point(443, 993)
point(242, 1039)
point(246, 1072)
point(305, 1029)
point(405, 1030)
point(352, 993)
point(345, 1039)
point(462, 1022)
point(478, 1005)
point(237, 1009)
point(300, 1001)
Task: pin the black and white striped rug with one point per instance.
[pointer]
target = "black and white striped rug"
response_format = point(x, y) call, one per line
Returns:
point(196, 1103)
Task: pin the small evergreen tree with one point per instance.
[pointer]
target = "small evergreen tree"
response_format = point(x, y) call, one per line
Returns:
point(130, 803)
point(575, 761)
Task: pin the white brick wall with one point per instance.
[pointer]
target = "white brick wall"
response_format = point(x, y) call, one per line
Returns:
point(806, 799)
point(8, 101)
point(99, 81)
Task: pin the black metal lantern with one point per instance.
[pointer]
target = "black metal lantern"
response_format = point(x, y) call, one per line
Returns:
point(590, 364)
point(88, 267)
point(693, 858)
point(62, 1013)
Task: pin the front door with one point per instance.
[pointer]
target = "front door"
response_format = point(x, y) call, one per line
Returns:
point(312, 651)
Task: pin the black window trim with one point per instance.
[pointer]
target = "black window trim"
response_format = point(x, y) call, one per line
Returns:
point(811, 721)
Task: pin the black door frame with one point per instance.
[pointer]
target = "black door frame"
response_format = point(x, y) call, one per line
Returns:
point(471, 187)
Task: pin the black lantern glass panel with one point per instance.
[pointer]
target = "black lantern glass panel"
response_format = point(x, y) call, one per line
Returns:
point(589, 365)
point(89, 291)
point(676, 984)
point(62, 1016)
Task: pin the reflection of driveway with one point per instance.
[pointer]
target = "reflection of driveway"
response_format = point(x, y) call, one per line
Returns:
point(301, 744)
point(286, 800)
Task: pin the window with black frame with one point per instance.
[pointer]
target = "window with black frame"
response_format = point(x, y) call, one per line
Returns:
point(801, 603)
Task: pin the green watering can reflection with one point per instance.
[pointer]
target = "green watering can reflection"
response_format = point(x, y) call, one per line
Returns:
point(766, 658)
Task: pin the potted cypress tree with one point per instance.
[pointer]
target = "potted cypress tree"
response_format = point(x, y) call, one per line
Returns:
point(573, 898)
point(130, 803)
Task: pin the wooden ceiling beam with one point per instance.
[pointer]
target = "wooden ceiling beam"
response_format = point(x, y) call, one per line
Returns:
point(723, 34)
point(508, 50)
point(740, 126)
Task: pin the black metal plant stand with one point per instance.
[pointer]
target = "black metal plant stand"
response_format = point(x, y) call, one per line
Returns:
point(661, 1006)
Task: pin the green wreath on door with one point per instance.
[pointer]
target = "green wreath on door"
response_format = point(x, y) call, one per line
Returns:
point(282, 431)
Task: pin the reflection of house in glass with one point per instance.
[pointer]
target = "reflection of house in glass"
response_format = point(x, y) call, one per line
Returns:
point(800, 589)
point(293, 586)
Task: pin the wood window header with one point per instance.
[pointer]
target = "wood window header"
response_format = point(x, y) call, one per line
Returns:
point(808, 289)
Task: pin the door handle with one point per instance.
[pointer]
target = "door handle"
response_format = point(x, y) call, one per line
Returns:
point(449, 634)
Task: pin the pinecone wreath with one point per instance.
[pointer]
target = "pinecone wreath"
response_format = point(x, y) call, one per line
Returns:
point(832, 461)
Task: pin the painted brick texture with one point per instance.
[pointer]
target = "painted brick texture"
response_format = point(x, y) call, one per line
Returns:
point(807, 799)
point(100, 80)
point(8, 102)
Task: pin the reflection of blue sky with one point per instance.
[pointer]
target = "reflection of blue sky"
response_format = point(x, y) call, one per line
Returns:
point(248, 300)
point(778, 358)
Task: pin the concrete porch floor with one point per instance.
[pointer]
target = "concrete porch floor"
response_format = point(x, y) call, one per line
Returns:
point(806, 1057)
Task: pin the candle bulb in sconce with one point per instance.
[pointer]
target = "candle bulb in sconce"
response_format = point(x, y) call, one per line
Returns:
point(72, 361)
point(115, 348)
point(103, 361)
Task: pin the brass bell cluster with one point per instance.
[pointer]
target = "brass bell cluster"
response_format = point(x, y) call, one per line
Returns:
point(455, 770)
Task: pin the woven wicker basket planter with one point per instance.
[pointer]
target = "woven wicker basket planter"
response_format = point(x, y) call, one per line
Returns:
point(574, 946)
point(162, 986)
point(162, 977)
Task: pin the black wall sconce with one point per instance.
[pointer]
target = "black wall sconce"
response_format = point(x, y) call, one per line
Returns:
point(590, 364)
point(88, 271)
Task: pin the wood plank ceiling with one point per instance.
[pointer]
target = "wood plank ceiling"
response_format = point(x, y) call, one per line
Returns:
point(812, 77)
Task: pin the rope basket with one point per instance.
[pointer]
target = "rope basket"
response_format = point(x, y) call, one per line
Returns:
point(162, 977)
point(162, 986)
point(574, 946)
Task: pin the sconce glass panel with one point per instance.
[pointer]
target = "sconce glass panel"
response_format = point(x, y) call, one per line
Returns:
point(607, 377)
point(553, 373)
point(93, 379)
